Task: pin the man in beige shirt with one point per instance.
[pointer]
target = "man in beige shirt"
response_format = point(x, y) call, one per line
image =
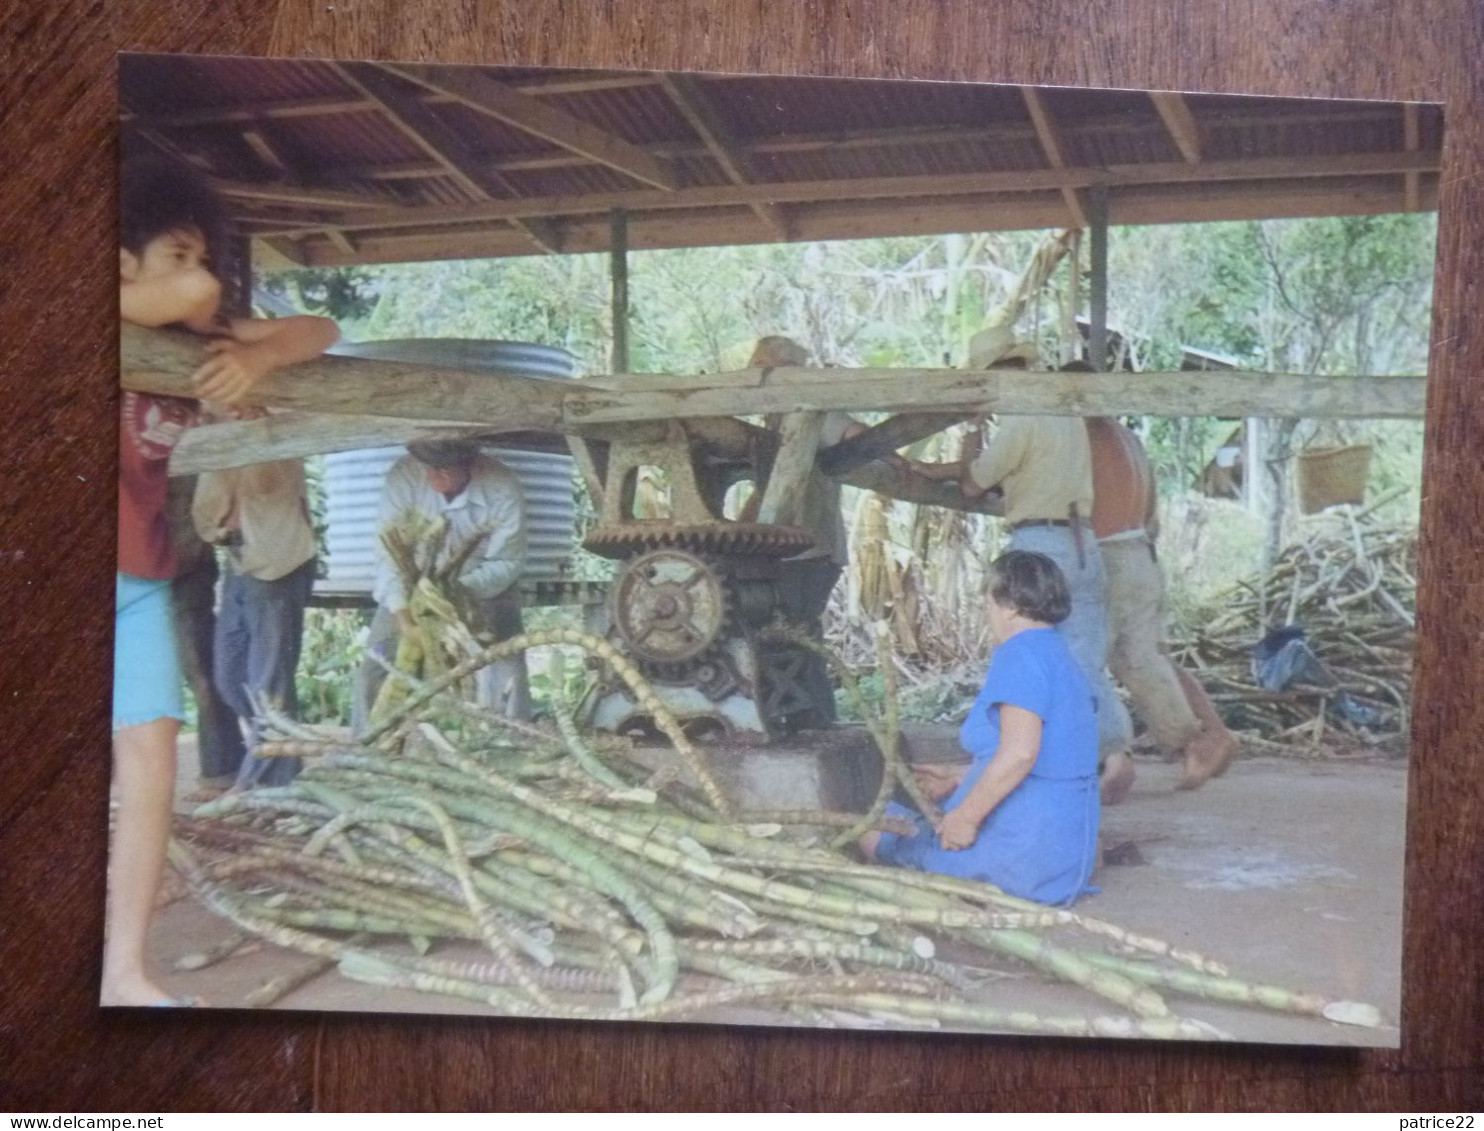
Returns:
point(1043, 467)
point(260, 514)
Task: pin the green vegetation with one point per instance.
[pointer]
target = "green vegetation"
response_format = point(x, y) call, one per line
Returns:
point(1326, 297)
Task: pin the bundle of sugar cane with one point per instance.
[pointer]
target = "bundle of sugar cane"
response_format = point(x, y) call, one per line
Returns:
point(600, 889)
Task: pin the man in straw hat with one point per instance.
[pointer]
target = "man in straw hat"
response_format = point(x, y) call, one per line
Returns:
point(1043, 467)
point(480, 499)
point(806, 581)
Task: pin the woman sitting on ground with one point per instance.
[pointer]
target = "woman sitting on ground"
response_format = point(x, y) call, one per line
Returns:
point(1021, 808)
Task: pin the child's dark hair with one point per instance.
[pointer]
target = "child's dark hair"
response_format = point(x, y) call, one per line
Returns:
point(158, 195)
point(1031, 584)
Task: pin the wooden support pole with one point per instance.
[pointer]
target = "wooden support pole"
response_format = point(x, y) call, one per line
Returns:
point(591, 458)
point(898, 482)
point(294, 435)
point(787, 482)
point(162, 361)
point(658, 397)
point(884, 438)
point(1097, 346)
point(618, 275)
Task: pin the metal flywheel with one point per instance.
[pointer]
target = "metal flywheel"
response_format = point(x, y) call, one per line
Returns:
point(670, 605)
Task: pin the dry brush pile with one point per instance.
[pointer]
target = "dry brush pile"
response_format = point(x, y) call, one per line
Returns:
point(1351, 584)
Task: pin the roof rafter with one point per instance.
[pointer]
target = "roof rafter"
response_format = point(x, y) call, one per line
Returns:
point(477, 91)
point(688, 97)
point(1051, 145)
point(1183, 129)
point(424, 129)
point(282, 162)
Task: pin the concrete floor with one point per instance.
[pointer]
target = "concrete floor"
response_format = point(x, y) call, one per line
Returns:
point(1288, 871)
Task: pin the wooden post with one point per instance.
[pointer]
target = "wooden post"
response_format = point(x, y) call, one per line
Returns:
point(1254, 464)
point(789, 479)
point(1097, 345)
point(618, 274)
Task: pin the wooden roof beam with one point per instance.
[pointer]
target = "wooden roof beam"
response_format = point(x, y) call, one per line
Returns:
point(1180, 123)
point(867, 188)
point(272, 154)
point(430, 134)
point(280, 252)
point(477, 91)
point(685, 92)
point(863, 219)
point(282, 192)
point(1051, 145)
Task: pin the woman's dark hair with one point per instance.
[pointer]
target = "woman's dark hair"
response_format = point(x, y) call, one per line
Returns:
point(158, 195)
point(1031, 584)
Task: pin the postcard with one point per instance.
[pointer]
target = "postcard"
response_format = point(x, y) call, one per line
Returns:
point(634, 546)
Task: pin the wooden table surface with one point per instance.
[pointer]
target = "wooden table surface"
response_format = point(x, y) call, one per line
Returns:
point(58, 356)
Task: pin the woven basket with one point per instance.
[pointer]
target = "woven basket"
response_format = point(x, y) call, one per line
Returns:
point(1328, 477)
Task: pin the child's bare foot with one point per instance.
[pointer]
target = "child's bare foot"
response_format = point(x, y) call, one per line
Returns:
point(1207, 756)
point(1117, 778)
point(134, 990)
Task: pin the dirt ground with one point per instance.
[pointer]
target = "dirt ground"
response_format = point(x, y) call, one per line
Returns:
point(1288, 871)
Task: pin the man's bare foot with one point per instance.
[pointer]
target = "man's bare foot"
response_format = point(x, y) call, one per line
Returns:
point(1117, 778)
point(209, 789)
point(1207, 756)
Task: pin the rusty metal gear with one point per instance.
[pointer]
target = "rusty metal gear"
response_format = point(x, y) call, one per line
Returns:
point(721, 539)
point(669, 605)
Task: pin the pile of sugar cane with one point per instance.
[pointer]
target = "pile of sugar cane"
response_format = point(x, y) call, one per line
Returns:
point(602, 889)
point(1351, 583)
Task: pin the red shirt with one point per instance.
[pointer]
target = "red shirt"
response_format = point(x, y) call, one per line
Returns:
point(149, 427)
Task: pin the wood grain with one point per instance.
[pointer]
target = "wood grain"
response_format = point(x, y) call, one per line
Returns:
point(58, 357)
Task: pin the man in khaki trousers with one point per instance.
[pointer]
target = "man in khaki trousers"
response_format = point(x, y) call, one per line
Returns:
point(1172, 704)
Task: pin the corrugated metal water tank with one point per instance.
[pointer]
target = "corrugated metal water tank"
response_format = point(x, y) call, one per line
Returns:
point(353, 480)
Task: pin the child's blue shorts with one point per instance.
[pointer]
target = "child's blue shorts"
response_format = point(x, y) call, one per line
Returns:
point(146, 669)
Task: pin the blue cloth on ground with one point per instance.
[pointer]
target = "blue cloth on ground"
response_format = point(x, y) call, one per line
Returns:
point(1040, 841)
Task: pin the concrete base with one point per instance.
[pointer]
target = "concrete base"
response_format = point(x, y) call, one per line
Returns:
point(838, 768)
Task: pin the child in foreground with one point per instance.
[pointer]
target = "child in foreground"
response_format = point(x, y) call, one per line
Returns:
point(172, 236)
point(1021, 809)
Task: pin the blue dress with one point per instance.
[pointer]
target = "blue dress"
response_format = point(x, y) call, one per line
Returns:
point(1040, 841)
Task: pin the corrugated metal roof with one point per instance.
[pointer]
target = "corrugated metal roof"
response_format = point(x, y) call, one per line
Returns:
point(764, 107)
point(785, 130)
point(362, 139)
point(641, 114)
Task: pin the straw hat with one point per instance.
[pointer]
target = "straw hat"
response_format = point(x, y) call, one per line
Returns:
point(777, 350)
point(443, 454)
point(995, 345)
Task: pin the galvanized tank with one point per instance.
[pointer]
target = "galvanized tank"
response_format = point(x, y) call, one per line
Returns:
point(353, 480)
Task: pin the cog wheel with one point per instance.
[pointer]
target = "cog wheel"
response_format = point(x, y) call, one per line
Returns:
point(721, 539)
point(670, 606)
